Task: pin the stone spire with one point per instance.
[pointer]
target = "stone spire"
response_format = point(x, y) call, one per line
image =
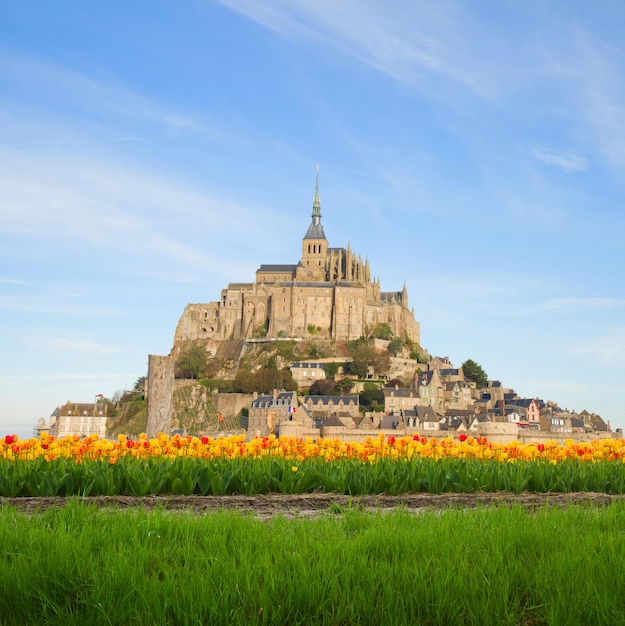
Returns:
point(316, 203)
point(315, 230)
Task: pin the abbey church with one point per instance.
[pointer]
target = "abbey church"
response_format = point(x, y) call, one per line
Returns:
point(329, 293)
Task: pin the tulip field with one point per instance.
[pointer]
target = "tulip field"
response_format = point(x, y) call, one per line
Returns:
point(84, 564)
point(178, 465)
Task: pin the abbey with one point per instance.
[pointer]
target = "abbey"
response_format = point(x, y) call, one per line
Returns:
point(329, 293)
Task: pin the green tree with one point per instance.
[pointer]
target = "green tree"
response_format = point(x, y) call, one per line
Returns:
point(395, 346)
point(244, 382)
point(192, 363)
point(473, 371)
point(331, 369)
point(363, 356)
point(323, 387)
point(382, 331)
point(381, 363)
point(371, 396)
point(140, 383)
point(344, 387)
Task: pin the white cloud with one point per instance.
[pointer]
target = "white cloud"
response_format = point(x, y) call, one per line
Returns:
point(407, 41)
point(13, 281)
point(60, 198)
point(86, 92)
point(565, 160)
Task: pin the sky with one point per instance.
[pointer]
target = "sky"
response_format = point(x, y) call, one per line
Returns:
point(153, 151)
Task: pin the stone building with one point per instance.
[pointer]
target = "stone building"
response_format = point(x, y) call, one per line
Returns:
point(78, 418)
point(266, 411)
point(329, 293)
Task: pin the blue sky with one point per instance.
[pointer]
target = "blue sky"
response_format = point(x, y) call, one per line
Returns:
point(152, 152)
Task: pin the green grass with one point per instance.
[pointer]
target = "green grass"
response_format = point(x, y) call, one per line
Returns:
point(83, 565)
point(249, 476)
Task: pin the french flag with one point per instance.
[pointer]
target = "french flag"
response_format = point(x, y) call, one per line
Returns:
point(292, 409)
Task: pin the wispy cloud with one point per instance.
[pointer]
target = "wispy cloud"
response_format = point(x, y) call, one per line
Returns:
point(13, 281)
point(85, 92)
point(409, 42)
point(575, 305)
point(64, 341)
point(598, 76)
point(101, 204)
point(567, 161)
point(449, 52)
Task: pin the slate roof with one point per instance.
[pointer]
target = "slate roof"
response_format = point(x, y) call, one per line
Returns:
point(597, 423)
point(307, 365)
point(402, 392)
point(327, 400)
point(315, 231)
point(389, 296)
point(276, 268)
point(525, 402)
point(285, 398)
point(389, 421)
point(448, 372)
point(426, 414)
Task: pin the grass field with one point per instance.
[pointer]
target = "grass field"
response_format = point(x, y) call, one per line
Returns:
point(84, 565)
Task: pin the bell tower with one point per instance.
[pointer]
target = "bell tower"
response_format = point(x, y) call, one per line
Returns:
point(315, 244)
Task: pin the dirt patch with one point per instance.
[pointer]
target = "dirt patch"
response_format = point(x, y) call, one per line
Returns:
point(311, 505)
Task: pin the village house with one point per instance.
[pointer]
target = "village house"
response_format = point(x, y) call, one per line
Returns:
point(322, 408)
point(397, 399)
point(458, 394)
point(305, 373)
point(77, 418)
point(430, 388)
point(267, 410)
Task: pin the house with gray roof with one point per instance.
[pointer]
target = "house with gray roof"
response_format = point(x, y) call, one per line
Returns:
point(266, 411)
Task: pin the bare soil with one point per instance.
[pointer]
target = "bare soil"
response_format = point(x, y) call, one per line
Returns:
point(311, 505)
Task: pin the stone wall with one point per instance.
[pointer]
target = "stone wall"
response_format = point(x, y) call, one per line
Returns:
point(160, 394)
point(231, 404)
point(497, 435)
